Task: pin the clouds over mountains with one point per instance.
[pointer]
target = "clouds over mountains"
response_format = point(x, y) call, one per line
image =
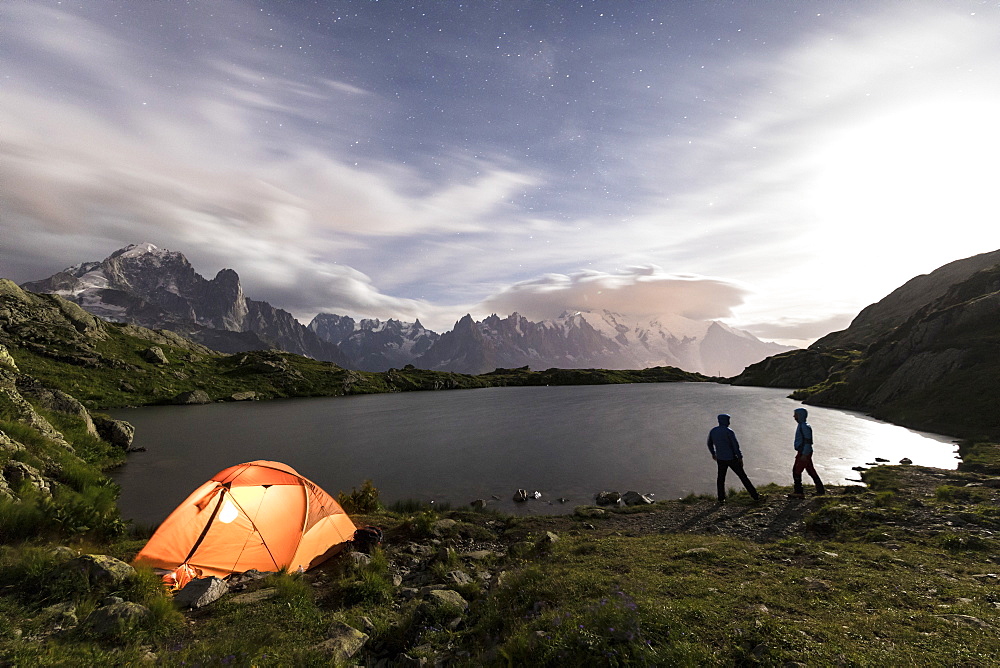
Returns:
point(365, 158)
point(639, 291)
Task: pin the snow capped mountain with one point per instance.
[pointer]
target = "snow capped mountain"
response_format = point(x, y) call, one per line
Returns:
point(708, 347)
point(375, 345)
point(595, 340)
point(158, 288)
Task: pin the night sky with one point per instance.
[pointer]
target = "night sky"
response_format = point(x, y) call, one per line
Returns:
point(779, 165)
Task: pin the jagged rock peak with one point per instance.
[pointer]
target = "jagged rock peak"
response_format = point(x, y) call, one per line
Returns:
point(138, 250)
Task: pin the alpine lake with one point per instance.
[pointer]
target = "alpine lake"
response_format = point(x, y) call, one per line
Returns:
point(456, 446)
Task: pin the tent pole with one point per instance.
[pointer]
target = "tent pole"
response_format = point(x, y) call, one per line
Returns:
point(208, 525)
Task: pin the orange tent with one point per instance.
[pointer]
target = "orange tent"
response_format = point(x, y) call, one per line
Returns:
point(259, 515)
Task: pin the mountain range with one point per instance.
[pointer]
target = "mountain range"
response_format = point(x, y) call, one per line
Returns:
point(159, 289)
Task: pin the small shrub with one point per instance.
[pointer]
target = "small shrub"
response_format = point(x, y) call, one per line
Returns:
point(421, 524)
point(953, 494)
point(607, 632)
point(959, 542)
point(885, 499)
point(830, 519)
point(373, 585)
point(364, 500)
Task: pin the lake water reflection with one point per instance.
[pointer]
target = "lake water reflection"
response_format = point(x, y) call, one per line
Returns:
point(456, 446)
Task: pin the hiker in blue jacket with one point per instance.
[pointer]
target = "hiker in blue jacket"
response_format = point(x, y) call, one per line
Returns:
point(804, 455)
point(725, 451)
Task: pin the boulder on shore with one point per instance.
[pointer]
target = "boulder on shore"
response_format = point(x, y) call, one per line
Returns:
point(192, 398)
point(116, 432)
point(609, 498)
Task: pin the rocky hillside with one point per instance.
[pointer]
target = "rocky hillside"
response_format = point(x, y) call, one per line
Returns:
point(934, 370)
point(901, 304)
point(48, 443)
point(155, 288)
point(937, 370)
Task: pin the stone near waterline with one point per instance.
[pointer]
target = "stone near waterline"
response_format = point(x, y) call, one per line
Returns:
point(632, 498)
point(116, 432)
point(881, 459)
point(478, 504)
point(521, 495)
point(243, 396)
point(905, 461)
point(193, 397)
point(608, 498)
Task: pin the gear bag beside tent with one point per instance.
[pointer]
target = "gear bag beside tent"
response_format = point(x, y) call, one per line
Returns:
point(259, 515)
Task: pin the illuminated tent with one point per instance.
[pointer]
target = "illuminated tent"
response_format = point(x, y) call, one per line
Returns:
point(259, 515)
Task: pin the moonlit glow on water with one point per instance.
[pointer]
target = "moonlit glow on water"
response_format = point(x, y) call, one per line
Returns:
point(457, 446)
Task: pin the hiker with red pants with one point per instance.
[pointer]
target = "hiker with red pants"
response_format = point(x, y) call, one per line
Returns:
point(725, 451)
point(804, 455)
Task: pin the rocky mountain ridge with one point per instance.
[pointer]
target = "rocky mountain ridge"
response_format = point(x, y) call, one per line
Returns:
point(594, 340)
point(372, 344)
point(935, 370)
point(897, 307)
point(159, 289)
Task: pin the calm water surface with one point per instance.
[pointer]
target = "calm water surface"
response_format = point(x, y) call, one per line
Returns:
point(461, 445)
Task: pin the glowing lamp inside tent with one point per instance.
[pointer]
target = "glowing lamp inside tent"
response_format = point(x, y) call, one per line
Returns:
point(228, 513)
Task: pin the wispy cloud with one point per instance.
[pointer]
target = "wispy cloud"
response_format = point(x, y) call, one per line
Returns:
point(813, 170)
